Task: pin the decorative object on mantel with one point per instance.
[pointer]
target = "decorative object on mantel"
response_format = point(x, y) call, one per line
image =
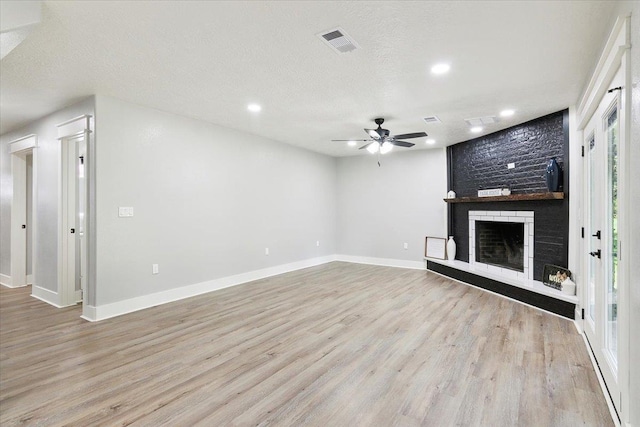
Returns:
point(554, 276)
point(490, 192)
point(509, 198)
point(435, 247)
point(568, 287)
point(553, 175)
point(505, 192)
point(451, 249)
point(451, 194)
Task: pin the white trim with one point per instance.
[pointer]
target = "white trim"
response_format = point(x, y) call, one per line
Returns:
point(89, 313)
point(24, 143)
point(603, 386)
point(605, 70)
point(45, 295)
point(106, 311)
point(74, 127)
point(34, 217)
point(578, 319)
point(384, 262)
point(5, 280)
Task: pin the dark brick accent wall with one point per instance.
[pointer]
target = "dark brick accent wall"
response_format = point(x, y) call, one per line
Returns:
point(482, 163)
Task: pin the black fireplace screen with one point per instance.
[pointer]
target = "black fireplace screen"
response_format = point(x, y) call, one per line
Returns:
point(500, 244)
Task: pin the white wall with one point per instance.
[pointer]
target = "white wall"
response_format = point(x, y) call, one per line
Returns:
point(207, 202)
point(47, 171)
point(381, 208)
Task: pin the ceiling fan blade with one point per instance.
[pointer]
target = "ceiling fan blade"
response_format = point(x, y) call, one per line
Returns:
point(410, 135)
point(372, 133)
point(366, 145)
point(401, 143)
point(349, 140)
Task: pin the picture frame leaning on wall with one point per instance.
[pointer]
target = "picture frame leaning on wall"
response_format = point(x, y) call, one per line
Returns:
point(435, 247)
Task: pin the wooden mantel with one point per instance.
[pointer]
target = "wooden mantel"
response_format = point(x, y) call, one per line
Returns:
point(510, 198)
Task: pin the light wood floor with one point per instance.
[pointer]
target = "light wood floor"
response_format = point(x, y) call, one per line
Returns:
point(335, 345)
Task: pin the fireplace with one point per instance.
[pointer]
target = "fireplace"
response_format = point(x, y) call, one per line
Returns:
point(502, 242)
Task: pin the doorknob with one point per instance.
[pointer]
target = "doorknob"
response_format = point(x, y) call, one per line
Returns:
point(24, 225)
point(73, 230)
point(596, 235)
point(595, 254)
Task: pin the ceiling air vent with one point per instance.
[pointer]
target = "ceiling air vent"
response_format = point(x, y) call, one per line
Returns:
point(480, 121)
point(431, 119)
point(338, 40)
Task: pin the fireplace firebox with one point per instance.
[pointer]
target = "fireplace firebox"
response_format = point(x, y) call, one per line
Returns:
point(500, 244)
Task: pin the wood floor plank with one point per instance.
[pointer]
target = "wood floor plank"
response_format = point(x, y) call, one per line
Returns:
point(338, 344)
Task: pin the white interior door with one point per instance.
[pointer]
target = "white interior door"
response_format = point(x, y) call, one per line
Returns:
point(19, 220)
point(81, 197)
point(602, 145)
point(73, 219)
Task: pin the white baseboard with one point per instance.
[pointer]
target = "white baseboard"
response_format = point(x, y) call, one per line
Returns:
point(578, 320)
point(603, 386)
point(45, 295)
point(89, 313)
point(5, 280)
point(385, 262)
point(106, 311)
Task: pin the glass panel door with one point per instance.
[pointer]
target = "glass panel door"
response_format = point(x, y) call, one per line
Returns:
point(592, 229)
point(611, 283)
point(601, 240)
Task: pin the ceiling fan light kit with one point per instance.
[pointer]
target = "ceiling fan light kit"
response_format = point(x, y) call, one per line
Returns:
point(381, 141)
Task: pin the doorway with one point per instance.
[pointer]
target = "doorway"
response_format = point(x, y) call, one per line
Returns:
point(23, 211)
point(75, 223)
point(602, 238)
point(73, 215)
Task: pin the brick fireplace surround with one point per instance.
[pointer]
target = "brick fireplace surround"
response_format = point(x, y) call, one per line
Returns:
point(482, 163)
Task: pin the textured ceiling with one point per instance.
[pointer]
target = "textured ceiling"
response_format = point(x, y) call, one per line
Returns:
point(208, 60)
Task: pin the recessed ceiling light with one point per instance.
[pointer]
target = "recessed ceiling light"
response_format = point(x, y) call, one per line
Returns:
point(254, 108)
point(351, 143)
point(506, 113)
point(440, 68)
point(430, 141)
point(476, 129)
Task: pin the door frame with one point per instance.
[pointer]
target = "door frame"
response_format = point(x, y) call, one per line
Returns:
point(615, 57)
point(18, 150)
point(78, 127)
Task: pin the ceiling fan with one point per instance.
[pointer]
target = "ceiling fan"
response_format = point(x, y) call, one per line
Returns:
point(381, 141)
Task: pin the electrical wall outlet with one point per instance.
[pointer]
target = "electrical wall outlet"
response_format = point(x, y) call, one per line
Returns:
point(318, 243)
point(406, 246)
point(266, 251)
point(511, 166)
point(155, 269)
point(124, 212)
